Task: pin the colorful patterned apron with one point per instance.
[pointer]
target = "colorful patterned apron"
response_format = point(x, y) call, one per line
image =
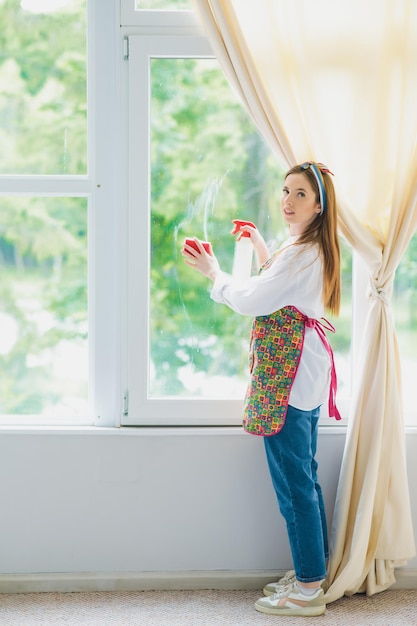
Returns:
point(275, 350)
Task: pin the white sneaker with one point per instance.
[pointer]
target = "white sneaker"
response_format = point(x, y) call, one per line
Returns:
point(291, 601)
point(272, 588)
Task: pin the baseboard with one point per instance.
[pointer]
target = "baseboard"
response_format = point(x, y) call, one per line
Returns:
point(406, 579)
point(156, 581)
point(135, 581)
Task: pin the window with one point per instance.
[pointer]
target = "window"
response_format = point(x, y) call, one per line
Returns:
point(96, 304)
point(196, 162)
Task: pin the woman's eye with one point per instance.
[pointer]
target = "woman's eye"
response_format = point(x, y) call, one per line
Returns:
point(301, 194)
point(284, 191)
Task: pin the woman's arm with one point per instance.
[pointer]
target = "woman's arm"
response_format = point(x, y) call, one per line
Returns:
point(295, 277)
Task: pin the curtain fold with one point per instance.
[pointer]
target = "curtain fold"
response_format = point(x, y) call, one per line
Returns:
point(338, 84)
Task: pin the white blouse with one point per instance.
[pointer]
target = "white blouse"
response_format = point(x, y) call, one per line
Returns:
point(295, 277)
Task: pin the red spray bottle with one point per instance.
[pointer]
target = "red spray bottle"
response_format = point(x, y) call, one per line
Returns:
point(242, 260)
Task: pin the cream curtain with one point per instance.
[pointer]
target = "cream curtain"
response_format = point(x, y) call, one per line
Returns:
point(337, 83)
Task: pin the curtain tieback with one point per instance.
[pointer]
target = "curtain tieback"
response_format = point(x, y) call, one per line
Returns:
point(377, 292)
point(319, 326)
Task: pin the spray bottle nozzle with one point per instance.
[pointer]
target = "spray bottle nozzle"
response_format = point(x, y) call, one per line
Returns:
point(238, 225)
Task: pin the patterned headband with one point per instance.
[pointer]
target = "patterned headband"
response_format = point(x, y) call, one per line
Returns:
point(318, 170)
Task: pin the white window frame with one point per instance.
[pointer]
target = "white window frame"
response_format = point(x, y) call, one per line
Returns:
point(140, 409)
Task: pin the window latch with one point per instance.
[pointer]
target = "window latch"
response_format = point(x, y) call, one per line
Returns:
point(125, 48)
point(126, 403)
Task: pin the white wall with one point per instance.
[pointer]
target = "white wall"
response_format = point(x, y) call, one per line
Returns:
point(154, 500)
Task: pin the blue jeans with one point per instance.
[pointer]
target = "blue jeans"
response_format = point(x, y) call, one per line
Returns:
point(293, 467)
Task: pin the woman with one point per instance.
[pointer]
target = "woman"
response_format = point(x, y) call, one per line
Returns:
point(292, 369)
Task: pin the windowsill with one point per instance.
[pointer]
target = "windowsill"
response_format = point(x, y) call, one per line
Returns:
point(152, 431)
point(129, 431)
point(140, 431)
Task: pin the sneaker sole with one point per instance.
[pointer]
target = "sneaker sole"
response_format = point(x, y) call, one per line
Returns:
point(313, 611)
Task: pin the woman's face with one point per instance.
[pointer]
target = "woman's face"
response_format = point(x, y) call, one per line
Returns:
point(299, 206)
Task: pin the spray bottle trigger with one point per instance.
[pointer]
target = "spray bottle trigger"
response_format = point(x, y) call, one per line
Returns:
point(238, 225)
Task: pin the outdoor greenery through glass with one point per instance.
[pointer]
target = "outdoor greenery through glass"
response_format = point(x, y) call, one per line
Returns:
point(43, 104)
point(43, 240)
point(404, 304)
point(43, 306)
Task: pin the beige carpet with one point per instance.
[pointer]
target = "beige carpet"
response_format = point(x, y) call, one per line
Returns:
point(194, 608)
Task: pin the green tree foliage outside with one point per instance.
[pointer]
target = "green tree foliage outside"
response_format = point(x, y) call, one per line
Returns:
point(43, 103)
point(43, 240)
point(405, 301)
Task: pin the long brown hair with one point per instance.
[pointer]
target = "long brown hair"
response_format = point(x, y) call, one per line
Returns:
point(323, 232)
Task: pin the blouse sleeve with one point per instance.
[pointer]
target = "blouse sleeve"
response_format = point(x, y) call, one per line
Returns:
point(294, 278)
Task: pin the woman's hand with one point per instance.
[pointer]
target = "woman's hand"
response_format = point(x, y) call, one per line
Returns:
point(202, 261)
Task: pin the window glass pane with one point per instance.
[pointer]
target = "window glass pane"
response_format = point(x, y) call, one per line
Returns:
point(168, 5)
point(43, 306)
point(43, 87)
point(405, 312)
point(209, 166)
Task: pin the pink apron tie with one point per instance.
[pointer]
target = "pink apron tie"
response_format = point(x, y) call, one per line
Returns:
point(319, 327)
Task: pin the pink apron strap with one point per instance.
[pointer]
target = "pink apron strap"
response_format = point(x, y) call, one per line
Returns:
point(319, 327)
